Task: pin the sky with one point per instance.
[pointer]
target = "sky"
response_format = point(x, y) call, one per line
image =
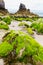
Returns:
point(13, 5)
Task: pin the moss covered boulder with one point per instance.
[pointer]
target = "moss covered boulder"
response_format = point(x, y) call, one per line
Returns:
point(21, 47)
point(38, 26)
point(3, 25)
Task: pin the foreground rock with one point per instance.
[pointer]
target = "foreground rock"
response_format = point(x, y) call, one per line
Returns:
point(24, 12)
point(3, 11)
point(21, 49)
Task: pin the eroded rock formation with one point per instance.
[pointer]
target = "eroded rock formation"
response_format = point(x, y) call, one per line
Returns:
point(3, 11)
point(24, 12)
point(2, 4)
point(22, 7)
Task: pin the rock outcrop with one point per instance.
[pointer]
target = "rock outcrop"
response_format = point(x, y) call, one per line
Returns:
point(2, 4)
point(3, 11)
point(24, 12)
point(22, 7)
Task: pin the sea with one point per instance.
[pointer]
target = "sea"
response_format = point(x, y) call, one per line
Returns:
point(40, 13)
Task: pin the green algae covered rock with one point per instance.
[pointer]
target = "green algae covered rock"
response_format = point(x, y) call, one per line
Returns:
point(3, 26)
point(30, 31)
point(24, 24)
point(38, 26)
point(7, 19)
point(5, 48)
point(25, 47)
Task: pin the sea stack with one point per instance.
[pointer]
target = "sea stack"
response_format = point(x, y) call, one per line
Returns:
point(3, 11)
point(2, 4)
point(24, 12)
point(22, 7)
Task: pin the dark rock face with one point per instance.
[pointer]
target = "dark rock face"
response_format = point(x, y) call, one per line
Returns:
point(22, 7)
point(2, 4)
point(24, 12)
point(3, 11)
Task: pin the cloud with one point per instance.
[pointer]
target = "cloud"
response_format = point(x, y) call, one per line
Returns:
point(31, 4)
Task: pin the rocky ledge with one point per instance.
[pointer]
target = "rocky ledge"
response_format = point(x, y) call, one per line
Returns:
point(24, 12)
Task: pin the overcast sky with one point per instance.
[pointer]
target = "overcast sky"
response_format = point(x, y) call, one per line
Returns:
point(13, 5)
